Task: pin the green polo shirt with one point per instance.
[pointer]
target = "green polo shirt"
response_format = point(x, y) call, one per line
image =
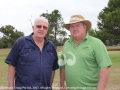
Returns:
point(83, 62)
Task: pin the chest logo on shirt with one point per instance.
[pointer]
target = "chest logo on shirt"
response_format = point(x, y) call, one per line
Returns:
point(86, 47)
point(68, 61)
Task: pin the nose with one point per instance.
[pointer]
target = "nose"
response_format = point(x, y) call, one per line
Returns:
point(42, 28)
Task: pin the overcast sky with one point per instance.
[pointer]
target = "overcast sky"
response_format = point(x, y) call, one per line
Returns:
point(18, 12)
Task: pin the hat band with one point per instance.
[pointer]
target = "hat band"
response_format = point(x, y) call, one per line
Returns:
point(76, 19)
point(73, 21)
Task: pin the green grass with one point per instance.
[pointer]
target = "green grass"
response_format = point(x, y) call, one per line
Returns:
point(3, 67)
point(3, 55)
point(113, 82)
point(115, 56)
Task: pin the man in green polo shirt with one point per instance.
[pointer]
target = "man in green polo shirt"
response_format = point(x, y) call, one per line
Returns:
point(84, 63)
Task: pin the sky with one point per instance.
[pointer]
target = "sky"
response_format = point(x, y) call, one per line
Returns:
point(18, 12)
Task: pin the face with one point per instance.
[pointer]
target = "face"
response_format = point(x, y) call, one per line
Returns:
point(78, 30)
point(40, 28)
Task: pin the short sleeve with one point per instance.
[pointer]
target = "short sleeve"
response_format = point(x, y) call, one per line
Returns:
point(12, 57)
point(101, 55)
point(55, 64)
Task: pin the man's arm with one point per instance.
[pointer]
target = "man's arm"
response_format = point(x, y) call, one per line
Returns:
point(103, 78)
point(62, 78)
point(11, 73)
point(52, 77)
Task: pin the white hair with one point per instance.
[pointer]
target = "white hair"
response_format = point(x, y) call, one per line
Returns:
point(41, 18)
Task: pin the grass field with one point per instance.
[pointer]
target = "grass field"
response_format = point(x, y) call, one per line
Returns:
point(113, 82)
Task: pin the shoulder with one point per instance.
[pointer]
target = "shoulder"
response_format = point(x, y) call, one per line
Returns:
point(21, 38)
point(95, 40)
point(67, 42)
point(20, 41)
point(50, 44)
point(96, 43)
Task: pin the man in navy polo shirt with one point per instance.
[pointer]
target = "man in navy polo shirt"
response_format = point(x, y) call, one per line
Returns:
point(32, 60)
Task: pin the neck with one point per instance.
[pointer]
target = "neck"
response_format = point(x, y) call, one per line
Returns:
point(38, 39)
point(77, 40)
point(39, 42)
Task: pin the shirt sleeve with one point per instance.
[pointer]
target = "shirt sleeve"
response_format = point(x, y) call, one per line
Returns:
point(55, 64)
point(101, 55)
point(12, 57)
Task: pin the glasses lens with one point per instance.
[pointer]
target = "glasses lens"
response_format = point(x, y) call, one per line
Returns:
point(38, 26)
point(44, 27)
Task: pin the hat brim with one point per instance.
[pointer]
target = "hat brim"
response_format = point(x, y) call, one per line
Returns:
point(86, 22)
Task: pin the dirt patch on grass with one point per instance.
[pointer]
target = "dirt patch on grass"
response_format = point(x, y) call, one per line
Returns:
point(113, 48)
point(109, 48)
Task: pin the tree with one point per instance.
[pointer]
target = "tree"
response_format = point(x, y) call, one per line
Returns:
point(55, 25)
point(92, 32)
point(101, 34)
point(109, 20)
point(10, 35)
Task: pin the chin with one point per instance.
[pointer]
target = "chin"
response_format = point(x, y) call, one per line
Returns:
point(76, 35)
point(40, 36)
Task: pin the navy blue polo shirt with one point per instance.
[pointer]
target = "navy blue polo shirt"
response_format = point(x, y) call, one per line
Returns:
point(33, 68)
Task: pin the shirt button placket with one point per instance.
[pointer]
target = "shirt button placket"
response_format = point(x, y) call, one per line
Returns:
point(41, 84)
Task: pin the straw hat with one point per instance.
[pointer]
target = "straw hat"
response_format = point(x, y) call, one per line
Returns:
point(77, 18)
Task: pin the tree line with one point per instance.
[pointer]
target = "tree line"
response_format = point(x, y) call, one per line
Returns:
point(108, 27)
point(10, 35)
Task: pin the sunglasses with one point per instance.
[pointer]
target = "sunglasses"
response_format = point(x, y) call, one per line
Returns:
point(44, 27)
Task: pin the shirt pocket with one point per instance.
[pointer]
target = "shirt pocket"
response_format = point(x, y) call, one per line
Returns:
point(28, 54)
point(49, 58)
